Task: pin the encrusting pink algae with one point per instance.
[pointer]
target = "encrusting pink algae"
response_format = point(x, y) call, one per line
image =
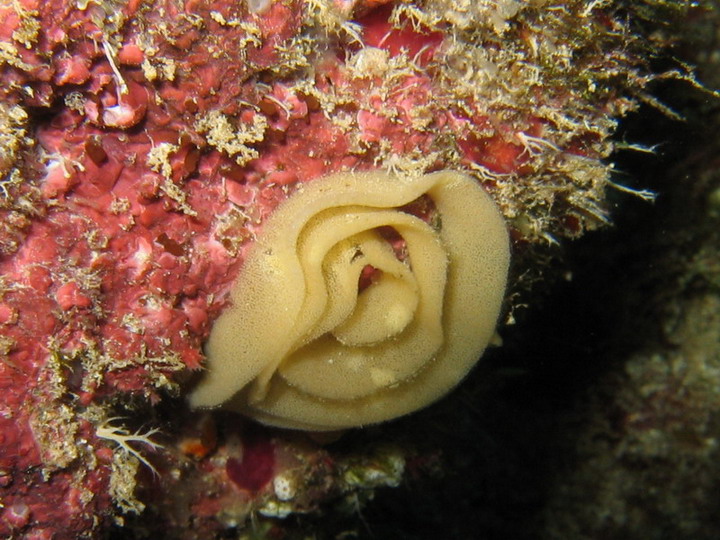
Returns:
point(142, 145)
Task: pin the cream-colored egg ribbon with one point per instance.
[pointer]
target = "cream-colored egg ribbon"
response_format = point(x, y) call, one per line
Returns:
point(301, 347)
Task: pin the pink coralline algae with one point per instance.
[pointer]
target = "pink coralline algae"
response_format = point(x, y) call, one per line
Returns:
point(143, 144)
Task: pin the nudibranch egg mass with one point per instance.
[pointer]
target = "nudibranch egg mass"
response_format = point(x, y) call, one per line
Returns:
point(303, 346)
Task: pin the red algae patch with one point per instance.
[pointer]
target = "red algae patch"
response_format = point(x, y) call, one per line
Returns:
point(255, 469)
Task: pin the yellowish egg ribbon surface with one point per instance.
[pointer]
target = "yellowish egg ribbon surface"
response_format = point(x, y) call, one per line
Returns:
point(303, 346)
